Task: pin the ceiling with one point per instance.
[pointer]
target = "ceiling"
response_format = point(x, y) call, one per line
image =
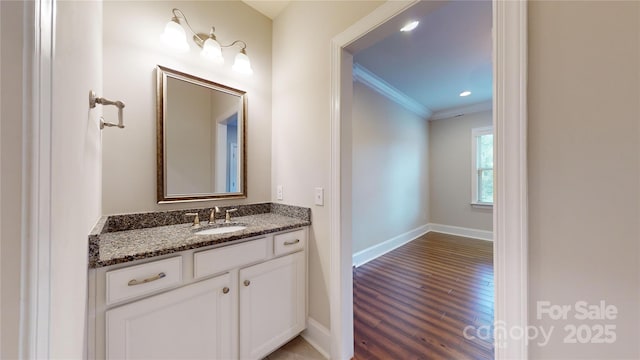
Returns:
point(449, 52)
point(269, 8)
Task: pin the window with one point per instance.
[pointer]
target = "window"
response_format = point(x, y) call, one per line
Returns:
point(482, 166)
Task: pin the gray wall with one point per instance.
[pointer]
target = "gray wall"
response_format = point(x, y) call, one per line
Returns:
point(11, 86)
point(450, 172)
point(390, 169)
point(584, 168)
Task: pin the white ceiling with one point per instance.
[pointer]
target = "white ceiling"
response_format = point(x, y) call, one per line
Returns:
point(269, 8)
point(449, 52)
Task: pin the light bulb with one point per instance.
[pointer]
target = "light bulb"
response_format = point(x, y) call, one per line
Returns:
point(242, 63)
point(410, 26)
point(211, 50)
point(175, 37)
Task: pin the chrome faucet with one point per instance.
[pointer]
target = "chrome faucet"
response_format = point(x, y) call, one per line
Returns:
point(212, 217)
point(227, 218)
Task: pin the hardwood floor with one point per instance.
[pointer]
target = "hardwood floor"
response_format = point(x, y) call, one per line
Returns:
point(415, 302)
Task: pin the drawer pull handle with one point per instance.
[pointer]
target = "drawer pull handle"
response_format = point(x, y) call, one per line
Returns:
point(147, 280)
point(225, 290)
point(287, 243)
point(247, 283)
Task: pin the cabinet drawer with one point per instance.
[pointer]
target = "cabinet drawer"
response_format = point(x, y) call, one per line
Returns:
point(143, 279)
point(288, 242)
point(214, 261)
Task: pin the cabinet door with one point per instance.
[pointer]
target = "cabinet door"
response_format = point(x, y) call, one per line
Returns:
point(192, 322)
point(272, 304)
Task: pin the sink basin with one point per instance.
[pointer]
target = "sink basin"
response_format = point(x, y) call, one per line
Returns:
point(221, 230)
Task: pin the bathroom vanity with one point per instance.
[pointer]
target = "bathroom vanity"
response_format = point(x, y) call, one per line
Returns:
point(165, 291)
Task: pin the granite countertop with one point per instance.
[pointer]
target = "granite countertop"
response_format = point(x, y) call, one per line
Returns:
point(109, 247)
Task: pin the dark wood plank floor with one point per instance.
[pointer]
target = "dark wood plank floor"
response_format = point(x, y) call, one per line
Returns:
point(415, 302)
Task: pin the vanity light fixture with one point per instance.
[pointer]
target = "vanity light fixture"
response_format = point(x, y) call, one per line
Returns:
point(410, 26)
point(175, 38)
point(242, 63)
point(465, 93)
point(212, 50)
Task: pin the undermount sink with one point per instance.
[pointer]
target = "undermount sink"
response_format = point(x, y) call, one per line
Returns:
point(221, 230)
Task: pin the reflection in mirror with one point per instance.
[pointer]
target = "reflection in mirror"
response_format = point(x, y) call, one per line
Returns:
point(201, 143)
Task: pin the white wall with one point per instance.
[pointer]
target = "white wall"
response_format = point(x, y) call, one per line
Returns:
point(583, 135)
point(189, 154)
point(450, 172)
point(584, 168)
point(132, 49)
point(583, 110)
point(11, 32)
point(1, 117)
point(390, 169)
point(301, 121)
point(76, 169)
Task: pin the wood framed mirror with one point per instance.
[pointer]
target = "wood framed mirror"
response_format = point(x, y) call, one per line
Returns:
point(201, 138)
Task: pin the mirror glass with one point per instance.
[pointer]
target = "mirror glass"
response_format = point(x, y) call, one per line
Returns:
point(201, 138)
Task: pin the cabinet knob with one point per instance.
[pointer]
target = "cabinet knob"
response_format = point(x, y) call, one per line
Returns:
point(225, 290)
point(247, 283)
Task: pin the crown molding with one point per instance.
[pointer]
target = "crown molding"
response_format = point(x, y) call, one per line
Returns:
point(366, 77)
point(462, 110)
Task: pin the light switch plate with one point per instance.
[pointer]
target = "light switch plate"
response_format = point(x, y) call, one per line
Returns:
point(279, 192)
point(319, 196)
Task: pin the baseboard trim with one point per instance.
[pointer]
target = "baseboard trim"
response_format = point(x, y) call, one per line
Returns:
point(318, 336)
point(462, 231)
point(366, 255)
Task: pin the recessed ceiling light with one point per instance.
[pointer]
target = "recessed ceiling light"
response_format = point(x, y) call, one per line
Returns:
point(465, 93)
point(410, 26)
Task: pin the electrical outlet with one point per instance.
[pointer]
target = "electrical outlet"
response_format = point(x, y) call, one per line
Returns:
point(279, 192)
point(319, 196)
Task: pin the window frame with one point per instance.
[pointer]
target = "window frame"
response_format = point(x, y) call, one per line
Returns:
point(475, 133)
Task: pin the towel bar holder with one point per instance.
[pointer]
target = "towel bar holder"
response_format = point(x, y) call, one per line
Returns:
point(93, 100)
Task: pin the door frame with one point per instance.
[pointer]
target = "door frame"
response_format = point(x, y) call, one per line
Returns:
point(510, 204)
point(35, 284)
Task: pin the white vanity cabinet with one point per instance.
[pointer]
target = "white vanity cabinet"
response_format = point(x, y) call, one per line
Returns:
point(191, 322)
point(239, 301)
point(272, 298)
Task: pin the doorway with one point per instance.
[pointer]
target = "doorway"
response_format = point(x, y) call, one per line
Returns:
point(418, 96)
point(509, 104)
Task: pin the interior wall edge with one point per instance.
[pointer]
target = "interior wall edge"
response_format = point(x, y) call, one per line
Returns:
point(318, 336)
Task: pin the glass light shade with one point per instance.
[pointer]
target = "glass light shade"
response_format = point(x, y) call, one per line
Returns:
point(211, 50)
point(175, 37)
point(242, 64)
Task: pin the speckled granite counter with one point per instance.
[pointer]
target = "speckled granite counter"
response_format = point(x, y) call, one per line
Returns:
point(122, 238)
